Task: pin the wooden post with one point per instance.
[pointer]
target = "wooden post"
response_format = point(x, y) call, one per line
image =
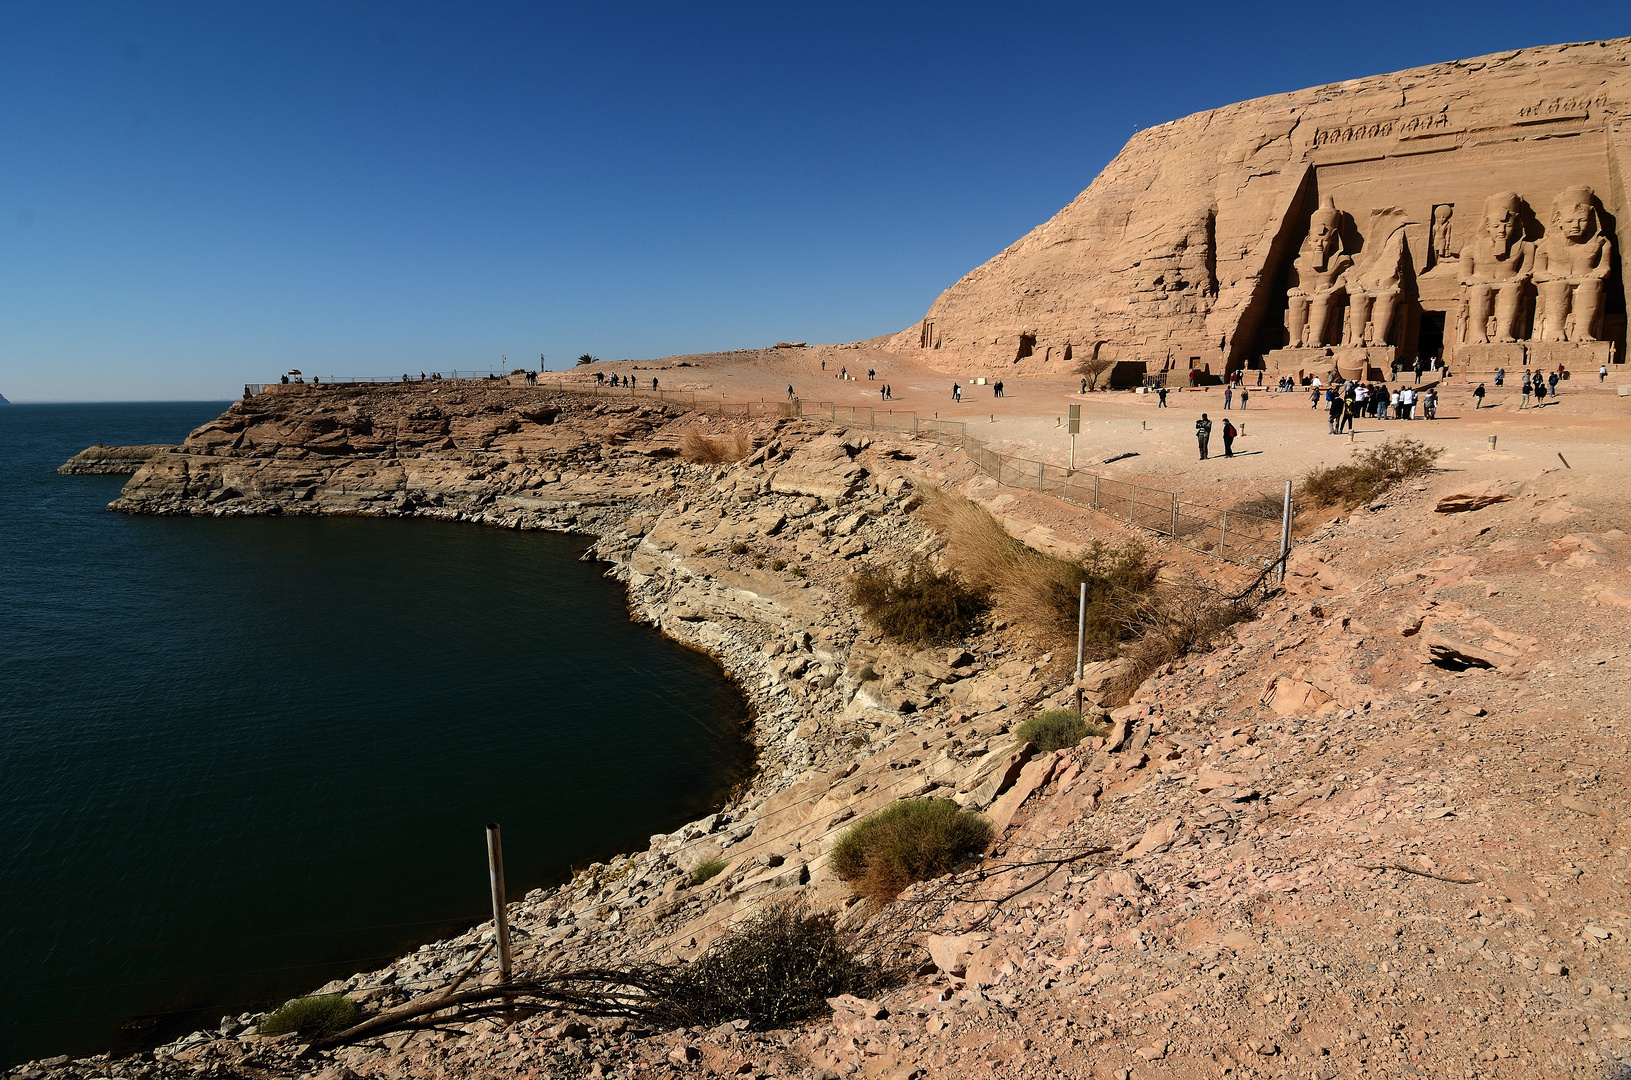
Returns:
point(1081, 639)
point(1175, 515)
point(501, 922)
point(1223, 533)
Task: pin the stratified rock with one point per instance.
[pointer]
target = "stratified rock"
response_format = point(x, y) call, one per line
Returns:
point(111, 460)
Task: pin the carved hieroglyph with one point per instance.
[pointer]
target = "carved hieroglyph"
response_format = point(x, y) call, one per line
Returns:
point(1189, 248)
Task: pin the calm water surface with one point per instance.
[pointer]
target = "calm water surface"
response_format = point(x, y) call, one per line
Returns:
point(227, 744)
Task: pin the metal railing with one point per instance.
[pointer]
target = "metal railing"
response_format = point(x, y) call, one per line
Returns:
point(1235, 536)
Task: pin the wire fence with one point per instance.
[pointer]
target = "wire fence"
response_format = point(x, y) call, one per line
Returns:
point(1235, 536)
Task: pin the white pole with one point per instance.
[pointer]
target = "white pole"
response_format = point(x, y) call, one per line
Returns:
point(1285, 531)
point(1081, 639)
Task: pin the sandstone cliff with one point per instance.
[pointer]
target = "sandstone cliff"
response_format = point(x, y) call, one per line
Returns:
point(1177, 252)
point(110, 460)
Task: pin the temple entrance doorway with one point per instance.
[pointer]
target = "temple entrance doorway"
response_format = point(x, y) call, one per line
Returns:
point(1430, 338)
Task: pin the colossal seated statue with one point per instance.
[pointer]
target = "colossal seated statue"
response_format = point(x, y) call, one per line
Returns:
point(1496, 267)
point(1373, 295)
point(1571, 269)
point(1316, 288)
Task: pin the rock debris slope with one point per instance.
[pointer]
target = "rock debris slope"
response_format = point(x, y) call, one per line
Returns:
point(1379, 832)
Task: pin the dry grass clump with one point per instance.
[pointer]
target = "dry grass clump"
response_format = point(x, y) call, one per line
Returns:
point(1184, 618)
point(1056, 729)
point(1369, 474)
point(1041, 590)
point(312, 1017)
point(775, 970)
point(919, 607)
point(908, 841)
point(700, 449)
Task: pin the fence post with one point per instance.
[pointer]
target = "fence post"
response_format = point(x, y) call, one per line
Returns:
point(1096, 479)
point(1081, 639)
point(1285, 532)
point(1039, 468)
point(1223, 533)
point(1175, 515)
point(501, 924)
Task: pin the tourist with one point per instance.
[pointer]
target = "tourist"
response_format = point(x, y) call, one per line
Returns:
point(1478, 396)
point(1551, 383)
point(956, 392)
point(1228, 395)
point(654, 382)
point(843, 372)
point(871, 373)
point(789, 391)
point(1314, 398)
point(1161, 397)
point(1333, 413)
point(1229, 434)
point(883, 393)
point(1500, 376)
point(1540, 389)
point(997, 388)
point(1259, 380)
point(1243, 393)
point(1203, 433)
point(1527, 390)
point(888, 392)
point(1084, 386)
point(1417, 367)
point(1430, 404)
point(1602, 372)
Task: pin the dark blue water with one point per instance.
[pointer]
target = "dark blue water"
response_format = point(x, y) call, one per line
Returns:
point(278, 730)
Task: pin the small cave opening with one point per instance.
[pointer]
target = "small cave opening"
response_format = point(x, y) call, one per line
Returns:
point(1027, 346)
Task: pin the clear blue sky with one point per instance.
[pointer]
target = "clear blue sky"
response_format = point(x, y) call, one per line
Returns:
point(197, 195)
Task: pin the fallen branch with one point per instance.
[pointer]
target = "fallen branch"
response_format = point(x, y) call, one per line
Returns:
point(1422, 873)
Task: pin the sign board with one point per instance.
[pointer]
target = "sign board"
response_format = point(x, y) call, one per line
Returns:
point(1075, 419)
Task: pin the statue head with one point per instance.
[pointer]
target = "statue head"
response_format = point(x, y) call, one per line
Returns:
point(1443, 212)
point(1325, 230)
point(1503, 220)
point(1574, 213)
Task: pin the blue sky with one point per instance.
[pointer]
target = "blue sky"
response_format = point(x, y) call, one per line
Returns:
point(197, 195)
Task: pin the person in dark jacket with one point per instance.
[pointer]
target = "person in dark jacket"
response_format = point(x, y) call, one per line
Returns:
point(1229, 434)
point(1203, 433)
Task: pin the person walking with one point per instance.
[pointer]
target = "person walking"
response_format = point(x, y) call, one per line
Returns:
point(1259, 378)
point(1540, 390)
point(1602, 372)
point(1527, 390)
point(1430, 404)
point(1229, 434)
point(956, 392)
point(1203, 433)
point(1407, 403)
point(1161, 398)
point(789, 391)
point(1333, 414)
point(1551, 383)
point(1478, 396)
point(1084, 386)
point(1500, 376)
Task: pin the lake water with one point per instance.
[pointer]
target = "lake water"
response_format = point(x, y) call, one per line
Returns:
point(241, 757)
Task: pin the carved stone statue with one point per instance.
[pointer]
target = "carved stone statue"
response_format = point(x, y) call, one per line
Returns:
point(1495, 271)
point(1571, 268)
point(1317, 289)
point(1442, 247)
point(1374, 288)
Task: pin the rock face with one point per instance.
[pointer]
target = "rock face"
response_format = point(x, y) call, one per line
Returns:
point(1466, 210)
point(111, 460)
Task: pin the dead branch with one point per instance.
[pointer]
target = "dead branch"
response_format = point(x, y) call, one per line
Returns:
point(1422, 873)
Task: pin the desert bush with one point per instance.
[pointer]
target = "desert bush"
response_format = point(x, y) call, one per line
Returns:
point(868, 674)
point(739, 548)
point(778, 564)
point(775, 970)
point(907, 841)
point(699, 449)
point(920, 606)
point(1040, 590)
point(1056, 729)
point(1371, 473)
point(1181, 619)
point(312, 1017)
point(707, 871)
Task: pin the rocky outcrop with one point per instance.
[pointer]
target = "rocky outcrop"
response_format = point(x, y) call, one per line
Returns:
point(1179, 251)
point(111, 460)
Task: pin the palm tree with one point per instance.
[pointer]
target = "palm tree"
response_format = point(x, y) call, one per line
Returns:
point(587, 359)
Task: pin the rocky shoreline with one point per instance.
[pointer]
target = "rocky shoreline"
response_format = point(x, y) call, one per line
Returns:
point(1374, 832)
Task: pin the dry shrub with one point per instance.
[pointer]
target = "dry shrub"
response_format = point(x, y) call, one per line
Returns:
point(920, 607)
point(775, 970)
point(312, 1017)
point(1370, 473)
point(1056, 729)
point(700, 449)
point(905, 842)
point(1041, 590)
point(1180, 619)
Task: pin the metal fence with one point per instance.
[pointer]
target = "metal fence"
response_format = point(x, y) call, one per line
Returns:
point(1234, 536)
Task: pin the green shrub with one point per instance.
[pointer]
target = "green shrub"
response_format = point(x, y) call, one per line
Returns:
point(779, 564)
point(708, 871)
point(919, 607)
point(312, 1017)
point(867, 674)
point(799, 571)
point(1056, 729)
point(911, 840)
point(775, 970)
point(1371, 473)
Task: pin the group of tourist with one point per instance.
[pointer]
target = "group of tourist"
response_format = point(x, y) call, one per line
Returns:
point(1373, 401)
point(624, 382)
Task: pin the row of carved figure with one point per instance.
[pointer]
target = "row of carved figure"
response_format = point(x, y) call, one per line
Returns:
point(1512, 288)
